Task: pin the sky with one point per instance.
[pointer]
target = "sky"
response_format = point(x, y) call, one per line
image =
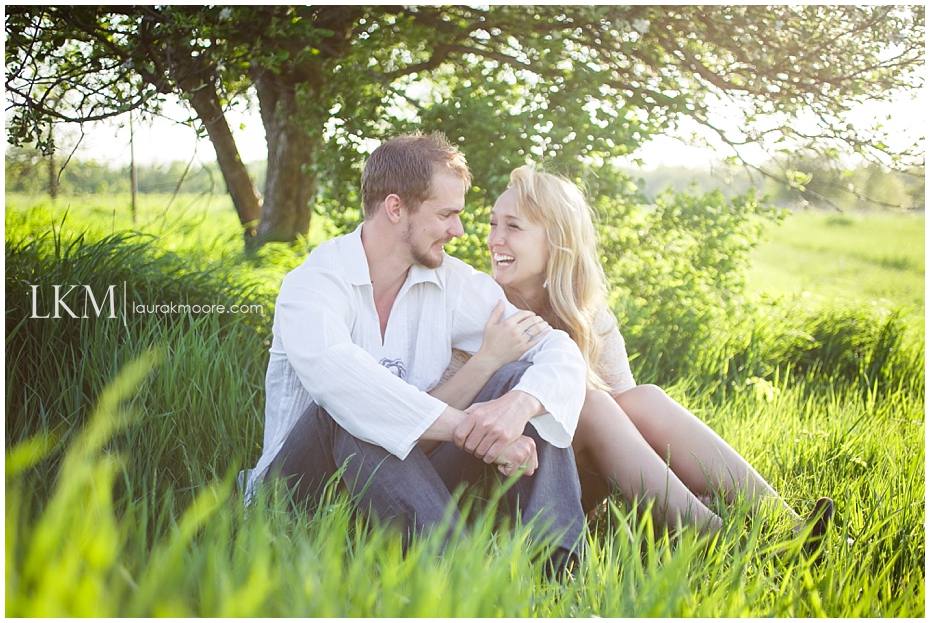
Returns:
point(163, 141)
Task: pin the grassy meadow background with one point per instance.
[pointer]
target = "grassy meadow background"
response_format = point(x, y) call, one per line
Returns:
point(123, 441)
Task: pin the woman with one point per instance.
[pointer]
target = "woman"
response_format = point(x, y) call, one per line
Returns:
point(635, 437)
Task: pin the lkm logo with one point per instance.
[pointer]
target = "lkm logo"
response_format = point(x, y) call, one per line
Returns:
point(70, 299)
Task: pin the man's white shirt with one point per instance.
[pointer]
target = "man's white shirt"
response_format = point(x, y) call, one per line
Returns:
point(327, 348)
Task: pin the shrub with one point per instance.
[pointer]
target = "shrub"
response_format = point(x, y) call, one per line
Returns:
point(798, 338)
point(843, 341)
point(679, 273)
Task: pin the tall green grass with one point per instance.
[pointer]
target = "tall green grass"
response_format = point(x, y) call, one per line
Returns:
point(123, 442)
point(91, 555)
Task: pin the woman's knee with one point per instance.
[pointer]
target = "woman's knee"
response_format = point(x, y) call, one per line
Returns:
point(598, 402)
point(643, 399)
point(592, 411)
point(654, 412)
point(648, 392)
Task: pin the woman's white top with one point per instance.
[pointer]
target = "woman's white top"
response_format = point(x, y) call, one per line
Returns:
point(613, 362)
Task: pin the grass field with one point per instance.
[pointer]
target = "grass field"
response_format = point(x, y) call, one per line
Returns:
point(856, 257)
point(123, 440)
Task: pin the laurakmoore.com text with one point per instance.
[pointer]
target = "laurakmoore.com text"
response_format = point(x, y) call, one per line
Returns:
point(181, 308)
point(80, 301)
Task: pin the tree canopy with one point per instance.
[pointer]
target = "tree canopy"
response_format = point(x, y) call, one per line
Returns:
point(574, 86)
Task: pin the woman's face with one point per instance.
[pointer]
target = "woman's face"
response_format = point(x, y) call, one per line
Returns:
point(519, 248)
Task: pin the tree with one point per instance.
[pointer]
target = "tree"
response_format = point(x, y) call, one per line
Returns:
point(79, 64)
point(572, 85)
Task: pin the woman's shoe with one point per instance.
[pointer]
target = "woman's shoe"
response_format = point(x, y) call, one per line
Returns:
point(819, 520)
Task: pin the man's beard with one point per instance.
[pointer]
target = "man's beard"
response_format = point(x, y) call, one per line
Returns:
point(421, 257)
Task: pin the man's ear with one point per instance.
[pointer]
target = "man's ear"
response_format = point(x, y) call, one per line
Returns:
point(393, 208)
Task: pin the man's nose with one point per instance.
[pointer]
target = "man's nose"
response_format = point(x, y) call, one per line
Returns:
point(457, 229)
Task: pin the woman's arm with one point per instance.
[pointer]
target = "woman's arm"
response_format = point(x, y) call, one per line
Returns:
point(502, 343)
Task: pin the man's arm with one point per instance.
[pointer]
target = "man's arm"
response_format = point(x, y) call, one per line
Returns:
point(490, 426)
point(556, 380)
point(313, 316)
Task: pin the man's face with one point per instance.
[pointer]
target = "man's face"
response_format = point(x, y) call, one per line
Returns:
point(437, 221)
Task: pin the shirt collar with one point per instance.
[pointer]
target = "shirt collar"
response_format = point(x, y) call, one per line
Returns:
point(354, 260)
point(355, 263)
point(421, 274)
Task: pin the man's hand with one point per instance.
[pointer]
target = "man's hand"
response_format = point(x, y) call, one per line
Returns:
point(490, 427)
point(519, 455)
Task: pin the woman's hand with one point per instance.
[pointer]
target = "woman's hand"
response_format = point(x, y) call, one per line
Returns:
point(520, 456)
point(505, 342)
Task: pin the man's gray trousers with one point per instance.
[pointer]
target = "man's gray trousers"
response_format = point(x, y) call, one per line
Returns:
point(416, 491)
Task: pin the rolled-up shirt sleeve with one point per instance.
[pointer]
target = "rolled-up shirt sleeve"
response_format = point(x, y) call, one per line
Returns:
point(557, 380)
point(557, 377)
point(313, 316)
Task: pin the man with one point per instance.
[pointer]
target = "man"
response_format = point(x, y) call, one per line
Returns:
point(366, 325)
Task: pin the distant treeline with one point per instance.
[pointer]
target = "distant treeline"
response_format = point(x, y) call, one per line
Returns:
point(849, 192)
point(28, 172)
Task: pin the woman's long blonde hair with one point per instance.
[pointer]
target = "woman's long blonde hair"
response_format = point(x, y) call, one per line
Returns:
point(575, 278)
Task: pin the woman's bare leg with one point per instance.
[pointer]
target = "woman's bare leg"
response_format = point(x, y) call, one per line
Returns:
point(696, 452)
point(622, 455)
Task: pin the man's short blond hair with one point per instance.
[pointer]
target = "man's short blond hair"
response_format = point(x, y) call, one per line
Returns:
point(405, 166)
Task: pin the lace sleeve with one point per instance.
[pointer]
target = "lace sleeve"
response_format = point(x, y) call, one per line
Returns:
point(459, 357)
point(613, 364)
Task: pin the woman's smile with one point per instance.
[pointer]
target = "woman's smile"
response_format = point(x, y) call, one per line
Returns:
point(503, 261)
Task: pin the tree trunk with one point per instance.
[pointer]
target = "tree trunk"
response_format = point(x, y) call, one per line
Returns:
point(238, 183)
point(289, 185)
point(196, 79)
point(133, 177)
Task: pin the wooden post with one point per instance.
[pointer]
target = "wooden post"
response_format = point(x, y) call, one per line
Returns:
point(52, 175)
point(132, 168)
